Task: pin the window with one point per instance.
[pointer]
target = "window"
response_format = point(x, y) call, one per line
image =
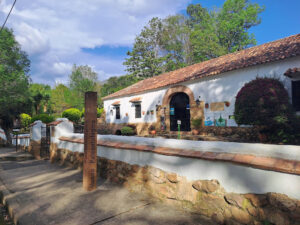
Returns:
point(118, 112)
point(138, 111)
point(296, 94)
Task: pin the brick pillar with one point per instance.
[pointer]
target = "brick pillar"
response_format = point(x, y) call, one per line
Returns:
point(90, 142)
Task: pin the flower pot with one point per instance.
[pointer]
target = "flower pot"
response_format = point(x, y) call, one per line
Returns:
point(195, 132)
point(153, 132)
point(227, 104)
point(206, 105)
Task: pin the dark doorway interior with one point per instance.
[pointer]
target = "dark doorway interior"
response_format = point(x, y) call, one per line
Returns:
point(180, 110)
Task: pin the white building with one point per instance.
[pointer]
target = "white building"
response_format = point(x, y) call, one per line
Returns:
point(207, 89)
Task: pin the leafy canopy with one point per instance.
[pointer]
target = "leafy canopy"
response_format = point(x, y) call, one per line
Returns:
point(14, 79)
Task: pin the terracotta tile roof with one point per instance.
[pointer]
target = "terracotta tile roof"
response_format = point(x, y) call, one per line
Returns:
point(290, 72)
point(137, 99)
point(116, 103)
point(55, 123)
point(269, 52)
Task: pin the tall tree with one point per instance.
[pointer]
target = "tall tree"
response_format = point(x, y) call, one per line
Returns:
point(205, 42)
point(82, 79)
point(60, 99)
point(40, 95)
point(234, 21)
point(14, 79)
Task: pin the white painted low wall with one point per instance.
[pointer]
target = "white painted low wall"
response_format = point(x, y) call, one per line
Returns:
point(23, 140)
point(36, 130)
point(2, 134)
point(233, 178)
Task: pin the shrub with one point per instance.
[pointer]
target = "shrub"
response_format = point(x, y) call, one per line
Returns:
point(45, 118)
point(262, 101)
point(72, 114)
point(99, 112)
point(265, 102)
point(25, 119)
point(196, 123)
point(127, 130)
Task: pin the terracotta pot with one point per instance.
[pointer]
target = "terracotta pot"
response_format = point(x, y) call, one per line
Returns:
point(262, 138)
point(206, 105)
point(153, 132)
point(227, 104)
point(195, 132)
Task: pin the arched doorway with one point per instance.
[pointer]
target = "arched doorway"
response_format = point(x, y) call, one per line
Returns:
point(180, 110)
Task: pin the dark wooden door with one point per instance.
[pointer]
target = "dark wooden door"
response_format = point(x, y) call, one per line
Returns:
point(180, 110)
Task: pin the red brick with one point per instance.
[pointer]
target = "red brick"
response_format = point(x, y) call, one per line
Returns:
point(284, 165)
point(225, 156)
point(243, 158)
point(209, 155)
point(263, 162)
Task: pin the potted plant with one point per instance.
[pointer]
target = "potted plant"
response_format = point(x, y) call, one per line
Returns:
point(152, 130)
point(227, 103)
point(196, 125)
point(206, 105)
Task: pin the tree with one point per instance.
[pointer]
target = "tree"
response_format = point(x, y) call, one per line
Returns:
point(234, 21)
point(40, 97)
point(205, 42)
point(82, 79)
point(60, 98)
point(14, 79)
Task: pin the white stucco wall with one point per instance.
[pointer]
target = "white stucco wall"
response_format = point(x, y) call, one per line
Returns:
point(64, 128)
point(36, 130)
point(234, 178)
point(218, 88)
point(2, 134)
point(23, 140)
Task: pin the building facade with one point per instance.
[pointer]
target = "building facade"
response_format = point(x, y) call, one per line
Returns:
point(206, 90)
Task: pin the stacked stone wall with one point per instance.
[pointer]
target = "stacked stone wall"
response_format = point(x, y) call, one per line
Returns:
point(205, 197)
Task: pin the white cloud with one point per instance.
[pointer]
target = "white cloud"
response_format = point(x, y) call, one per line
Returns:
point(54, 32)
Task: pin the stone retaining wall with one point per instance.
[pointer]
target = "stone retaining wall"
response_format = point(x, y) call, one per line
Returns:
point(206, 197)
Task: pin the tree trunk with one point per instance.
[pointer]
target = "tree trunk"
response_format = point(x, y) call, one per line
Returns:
point(7, 132)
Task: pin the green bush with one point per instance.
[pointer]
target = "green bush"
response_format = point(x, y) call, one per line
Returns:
point(72, 114)
point(196, 123)
point(127, 131)
point(264, 102)
point(99, 112)
point(25, 120)
point(45, 118)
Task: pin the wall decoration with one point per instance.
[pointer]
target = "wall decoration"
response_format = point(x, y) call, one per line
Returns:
point(172, 111)
point(227, 103)
point(208, 121)
point(220, 122)
point(231, 121)
point(206, 105)
point(143, 112)
point(217, 106)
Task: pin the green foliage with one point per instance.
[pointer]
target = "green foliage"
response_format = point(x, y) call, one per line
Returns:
point(61, 98)
point(197, 123)
point(177, 41)
point(45, 118)
point(114, 84)
point(82, 79)
point(72, 114)
point(14, 79)
point(40, 96)
point(234, 21)
point(127, 131)
point(99, 112)
point(265, 102)
point(25, 119)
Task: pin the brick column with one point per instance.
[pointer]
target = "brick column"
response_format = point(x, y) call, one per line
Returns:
point(90, 142)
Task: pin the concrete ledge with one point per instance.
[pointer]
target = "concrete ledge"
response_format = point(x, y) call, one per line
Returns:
point(250, 160)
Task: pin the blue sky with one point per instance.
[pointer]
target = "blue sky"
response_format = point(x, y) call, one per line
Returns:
point(56, 34)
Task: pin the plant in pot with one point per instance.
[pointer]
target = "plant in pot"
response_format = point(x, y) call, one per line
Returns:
point(152, 130)
point(196, 125)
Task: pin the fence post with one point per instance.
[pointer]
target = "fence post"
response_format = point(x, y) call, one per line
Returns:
point(90, 142)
